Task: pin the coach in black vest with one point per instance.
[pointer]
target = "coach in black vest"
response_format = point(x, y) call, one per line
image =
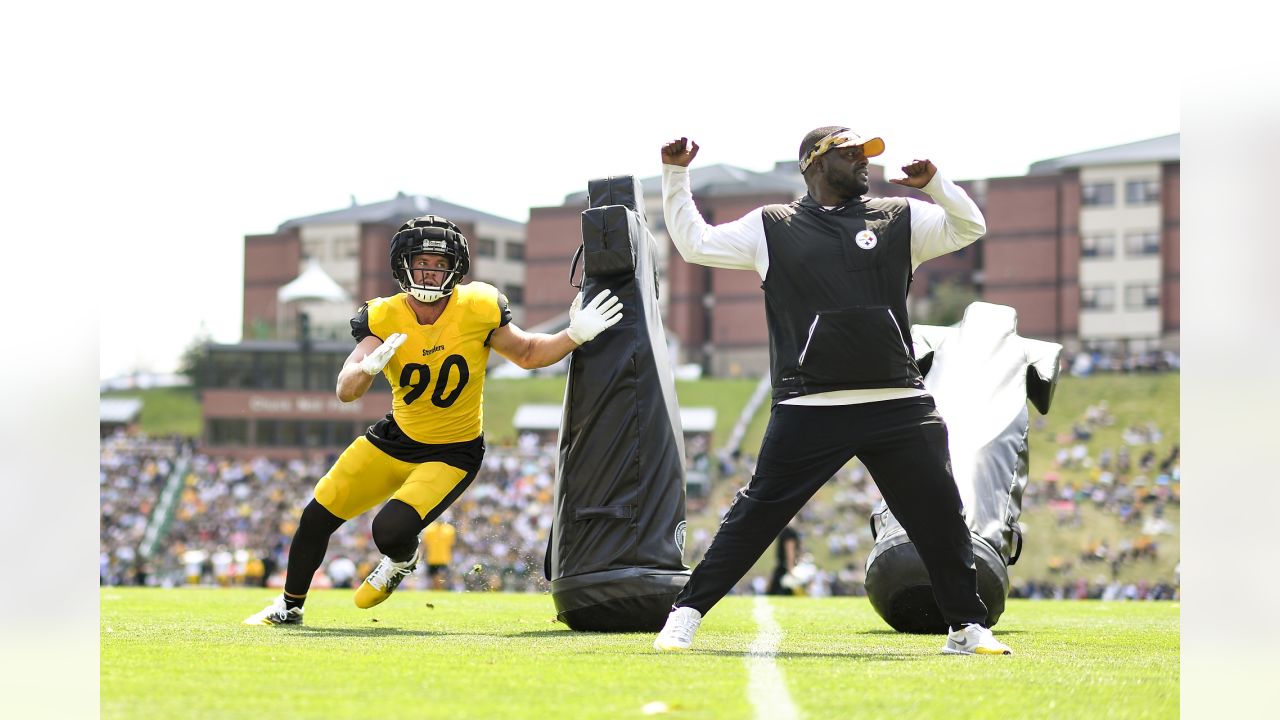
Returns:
point(836, 269)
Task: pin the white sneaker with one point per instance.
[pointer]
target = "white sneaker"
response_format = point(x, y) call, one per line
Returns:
point(973, 639)
point(384, 580)
point(276, 614)
point(677, 634)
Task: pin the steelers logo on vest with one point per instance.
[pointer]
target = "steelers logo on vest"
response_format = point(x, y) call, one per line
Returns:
point(865, 239)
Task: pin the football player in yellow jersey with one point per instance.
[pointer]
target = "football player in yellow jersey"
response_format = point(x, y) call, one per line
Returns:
point(438, 539)
point(432, 343)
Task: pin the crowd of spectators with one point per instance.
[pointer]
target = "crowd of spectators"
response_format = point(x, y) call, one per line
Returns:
point(1137, 482)
point(132, 471)
point(234, 519)
point(1085, 363)
point(1098, 589)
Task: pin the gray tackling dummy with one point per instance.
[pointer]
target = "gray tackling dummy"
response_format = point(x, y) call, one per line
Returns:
point(981, 374)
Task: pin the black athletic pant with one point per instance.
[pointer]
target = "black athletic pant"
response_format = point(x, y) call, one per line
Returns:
point(903, 443)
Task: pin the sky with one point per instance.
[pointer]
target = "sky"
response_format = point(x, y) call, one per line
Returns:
point(230, 121)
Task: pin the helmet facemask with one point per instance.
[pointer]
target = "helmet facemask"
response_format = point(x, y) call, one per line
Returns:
point(424, 292)
point(431, 235)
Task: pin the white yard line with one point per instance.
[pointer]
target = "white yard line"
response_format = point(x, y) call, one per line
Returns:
point(766, 687)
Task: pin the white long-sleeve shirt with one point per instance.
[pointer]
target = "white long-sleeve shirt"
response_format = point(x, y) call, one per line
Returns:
point(954, 222)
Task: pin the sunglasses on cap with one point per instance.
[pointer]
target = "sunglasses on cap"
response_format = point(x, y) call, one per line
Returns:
point(840, 139)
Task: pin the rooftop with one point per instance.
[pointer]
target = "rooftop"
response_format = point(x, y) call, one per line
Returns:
point(723, 180)
point(397, 210)
point(1161, 149)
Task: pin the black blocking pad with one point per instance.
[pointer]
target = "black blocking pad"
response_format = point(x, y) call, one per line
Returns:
point(607, 234)
point(615, 557)
point(623, 190)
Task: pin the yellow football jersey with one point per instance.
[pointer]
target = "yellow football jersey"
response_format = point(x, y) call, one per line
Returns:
point(437, 375)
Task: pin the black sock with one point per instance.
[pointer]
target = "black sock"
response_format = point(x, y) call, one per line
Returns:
point(293, 601)
point(306, 552)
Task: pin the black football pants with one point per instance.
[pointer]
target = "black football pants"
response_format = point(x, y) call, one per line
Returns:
point(902, 443)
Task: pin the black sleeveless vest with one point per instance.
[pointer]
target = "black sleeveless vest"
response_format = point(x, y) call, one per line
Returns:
point(836, 297)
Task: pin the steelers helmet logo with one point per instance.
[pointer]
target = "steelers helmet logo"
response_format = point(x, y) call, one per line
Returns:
point(679, 536)
point(865, 239)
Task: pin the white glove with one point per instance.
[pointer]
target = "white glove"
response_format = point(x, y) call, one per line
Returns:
point(373, 363)
point(587, 322)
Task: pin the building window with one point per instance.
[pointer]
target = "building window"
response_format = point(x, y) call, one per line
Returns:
point(1098, 245)
point(1098, 297)
point(230, 370)
point(1141, 296)
point(1142, 242)
point(288, 434)
point(1098, 193)
point(266, 433)
point(515, 250)
point(228, 432)
point(515, 294)
point(485, 247)
point(1141, 192)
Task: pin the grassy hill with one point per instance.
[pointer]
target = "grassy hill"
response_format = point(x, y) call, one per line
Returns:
point(1131, 398)
point(166, 411)
point(503, 396)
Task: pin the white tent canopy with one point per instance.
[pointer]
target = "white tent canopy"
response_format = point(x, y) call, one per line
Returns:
point(119, 410)
point(313, 284)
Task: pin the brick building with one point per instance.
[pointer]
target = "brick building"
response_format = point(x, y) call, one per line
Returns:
point(351, 245)
point(1086, 247)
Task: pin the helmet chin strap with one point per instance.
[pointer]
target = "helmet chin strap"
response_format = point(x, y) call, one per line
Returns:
point(428, 296)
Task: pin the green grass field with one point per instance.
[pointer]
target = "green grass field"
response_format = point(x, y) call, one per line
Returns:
point(184, 654)
point(166, 411)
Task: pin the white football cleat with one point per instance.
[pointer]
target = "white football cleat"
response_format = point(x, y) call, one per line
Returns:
point(276, 614)
point(384, 580)
point(973, 639)
point(677, 634)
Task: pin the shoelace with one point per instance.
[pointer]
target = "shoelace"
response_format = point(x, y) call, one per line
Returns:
point(279, 610)
point(684, 628)
point(387, 570)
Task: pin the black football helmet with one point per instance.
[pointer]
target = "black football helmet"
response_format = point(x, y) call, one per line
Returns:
point(429, 234)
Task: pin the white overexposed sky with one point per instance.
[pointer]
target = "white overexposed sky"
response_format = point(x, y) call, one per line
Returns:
point(213, 123)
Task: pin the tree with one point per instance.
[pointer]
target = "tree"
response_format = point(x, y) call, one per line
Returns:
point(195, 359)
point(948, 302)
